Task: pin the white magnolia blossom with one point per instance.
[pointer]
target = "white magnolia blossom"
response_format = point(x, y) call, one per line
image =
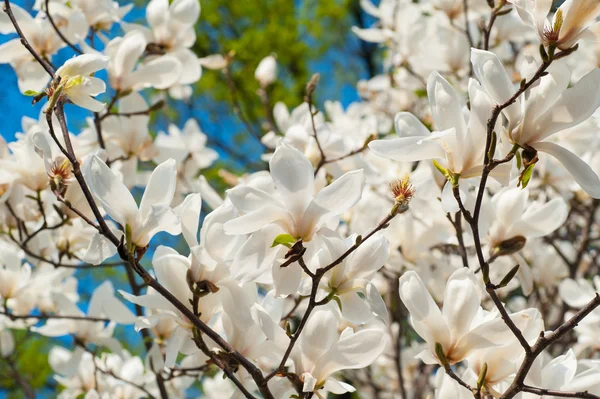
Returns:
point(546, 108)
point(266, 71)
point(573, 20)
point(77, 84)
point(140, 224)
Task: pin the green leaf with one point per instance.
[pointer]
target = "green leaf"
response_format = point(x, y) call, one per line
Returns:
point(526, 176)
point(283, 239)
point(421, 93)
point(509, 276)
point(32, 93)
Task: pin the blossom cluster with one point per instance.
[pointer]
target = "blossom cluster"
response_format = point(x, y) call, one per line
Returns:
point(436, 238)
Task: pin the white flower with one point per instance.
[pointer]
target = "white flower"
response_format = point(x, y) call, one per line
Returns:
point(266, 71)
point(459, 145)
point(294, 206)
point(545, 109)
point(42, 37)
point(171, 31)
point(321, 351)
point(103, 304)
point(573, 20)
point(77, 82)
point(186, 146)
point(457, 329)
point(160, 72)
point(153, 215)
point(171, 270)
point(352, 277)
point(291, 208)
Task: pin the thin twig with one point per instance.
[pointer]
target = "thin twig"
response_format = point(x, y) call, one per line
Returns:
point(58, 32)
point(45, 64)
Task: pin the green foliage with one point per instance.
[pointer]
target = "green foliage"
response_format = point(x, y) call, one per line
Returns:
point(283, 239)
point(298, 35)
point(30, 360)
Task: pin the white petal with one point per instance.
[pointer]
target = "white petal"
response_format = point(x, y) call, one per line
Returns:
point(171, 269)
point(160, 188)
point(255, 220)
point(426, 317)
point(576, 293)
point(544, 219)
point(130, 49)
point(84, 64)
point(462, 299)
point(99, 250)
point(446, 108)
point(372, 35)
point(574, 106)
point(253, 258)
point(495, 80)
point(353, 352)
point(293, 176)
point(115, 198)
point(159, 73)
point(581, 171)
point(189, 215)
point(408, 149)
point(79, 96)
point(408, 125)
point(338, 197)
point(354, 308)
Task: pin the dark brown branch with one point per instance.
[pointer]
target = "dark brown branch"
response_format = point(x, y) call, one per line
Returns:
point(50, 316)
point(45, 64)
point(543, 342)
point(58, 32)
point(560, 394)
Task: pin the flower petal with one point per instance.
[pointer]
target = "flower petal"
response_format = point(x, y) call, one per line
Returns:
point(581, 171)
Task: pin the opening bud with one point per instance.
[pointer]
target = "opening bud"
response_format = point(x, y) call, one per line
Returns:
point(403, 191)
point(510, 246)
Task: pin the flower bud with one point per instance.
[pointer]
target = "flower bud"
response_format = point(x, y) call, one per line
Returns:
point(266, 72)
point(510, 246)
point(403, 191)
point(60, 175)
point(439, 352)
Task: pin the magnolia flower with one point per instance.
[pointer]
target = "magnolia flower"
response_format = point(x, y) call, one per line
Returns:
point(458, 329)
point(580, 292)
point(504, 360)
point(125, 52)
point(42, 37)
point(321, 351)
point(291, 209)
point(266, 71)
point(14, 274)
point(77, 82)
point(545, 109)
point(564, 374)
point(103, 304)
point(187, 147)
point(100, 15)
point(171, 270)
point(511, 223)
point(459, 145)
point(573, 20)
point(352, 277)
point(171, 31)
point(294, 206)
point(140, 224)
